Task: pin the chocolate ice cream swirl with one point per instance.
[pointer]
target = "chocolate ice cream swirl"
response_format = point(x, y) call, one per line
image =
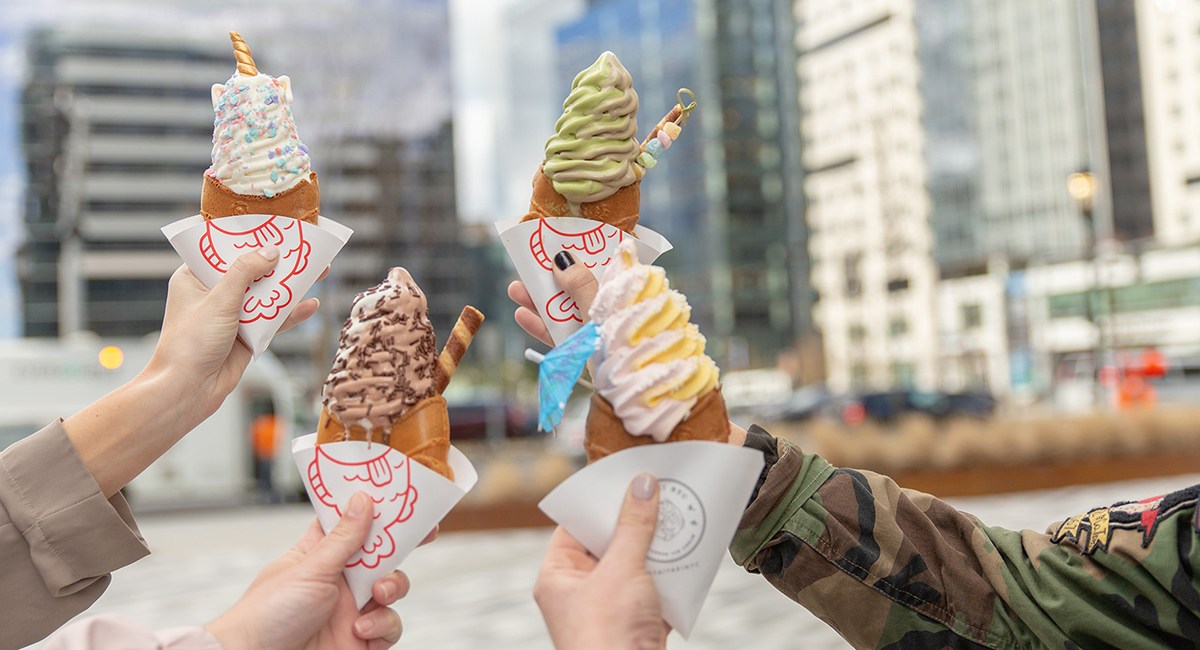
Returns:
point(386, 356)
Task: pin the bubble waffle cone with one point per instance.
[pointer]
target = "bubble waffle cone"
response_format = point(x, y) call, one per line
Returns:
point(422, 433)
point(620, 209)
point(301, 202)
point(708, 420)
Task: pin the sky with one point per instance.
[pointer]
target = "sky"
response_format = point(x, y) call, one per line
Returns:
point(400, 44)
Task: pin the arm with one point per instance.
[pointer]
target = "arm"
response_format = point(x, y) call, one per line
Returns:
point(196, 365)
point(64, 526)
point(300, 600)
point(889, 567)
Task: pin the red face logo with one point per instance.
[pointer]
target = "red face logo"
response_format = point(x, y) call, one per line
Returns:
point(593, 248)
point(269, 295)
point(386, 478)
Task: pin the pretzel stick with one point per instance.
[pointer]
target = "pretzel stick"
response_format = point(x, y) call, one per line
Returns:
point(456, 346)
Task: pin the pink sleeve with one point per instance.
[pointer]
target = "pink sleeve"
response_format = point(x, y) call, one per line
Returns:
point(108, 632)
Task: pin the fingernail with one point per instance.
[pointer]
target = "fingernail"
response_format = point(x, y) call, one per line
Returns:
point(269, 253)
point(387, 590)
point(644, 486)
point(364, 626)
point(563, 260)
point(358, 505)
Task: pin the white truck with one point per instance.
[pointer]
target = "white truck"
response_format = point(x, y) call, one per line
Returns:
point(44, 379)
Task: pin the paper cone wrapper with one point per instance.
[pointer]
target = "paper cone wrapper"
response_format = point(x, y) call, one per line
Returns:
point(532, 245)
point(703, 487)
point(410, 499)
point(209, 248)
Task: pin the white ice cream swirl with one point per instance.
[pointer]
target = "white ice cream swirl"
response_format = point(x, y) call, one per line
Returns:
point(256, 150)
point(653, 367)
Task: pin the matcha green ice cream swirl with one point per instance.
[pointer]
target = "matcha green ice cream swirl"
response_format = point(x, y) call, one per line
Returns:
point(592, 153)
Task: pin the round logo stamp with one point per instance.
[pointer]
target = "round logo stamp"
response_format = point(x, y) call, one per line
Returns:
point(681, 522)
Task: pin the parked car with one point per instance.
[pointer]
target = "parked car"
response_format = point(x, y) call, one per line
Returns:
point(887, 406)
point(470, 420)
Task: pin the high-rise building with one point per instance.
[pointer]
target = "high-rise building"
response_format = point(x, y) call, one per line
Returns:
point(1170, 80)
point(116, 131)
point(1032, 127)
point(398, 197)
point(727, 193)
point(868, 208)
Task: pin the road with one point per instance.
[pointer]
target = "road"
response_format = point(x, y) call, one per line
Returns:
point(472, 590)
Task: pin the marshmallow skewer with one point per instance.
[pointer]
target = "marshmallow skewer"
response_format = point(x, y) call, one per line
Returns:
point(665, 132)
point(456, 346)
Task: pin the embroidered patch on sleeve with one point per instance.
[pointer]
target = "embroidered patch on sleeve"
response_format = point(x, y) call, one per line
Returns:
point(1093, 531)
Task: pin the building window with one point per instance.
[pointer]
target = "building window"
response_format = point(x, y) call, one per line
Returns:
point(857, 333)
point(858, 376)
point(902, 374)
point(898, 327)
point(897, 284)
point(972, 316)
point(852, 264)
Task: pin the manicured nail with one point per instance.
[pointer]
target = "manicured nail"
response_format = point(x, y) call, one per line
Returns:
point(563, 260)
point(644, 486)
point(387, 590)
point(358, 505)
point(364, 626)
point(269, 253)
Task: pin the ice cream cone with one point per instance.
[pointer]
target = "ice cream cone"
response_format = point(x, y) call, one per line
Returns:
point(708, 420)
point(620, 209)
point(302, 201)
point(422, 433)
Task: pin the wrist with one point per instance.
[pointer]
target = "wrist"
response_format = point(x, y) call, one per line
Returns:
point(227, 634)
point(180, 387)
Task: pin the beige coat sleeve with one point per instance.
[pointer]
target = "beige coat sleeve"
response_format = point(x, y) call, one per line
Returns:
point(60, 539)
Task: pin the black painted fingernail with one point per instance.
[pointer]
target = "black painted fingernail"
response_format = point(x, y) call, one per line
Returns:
point(563, 260)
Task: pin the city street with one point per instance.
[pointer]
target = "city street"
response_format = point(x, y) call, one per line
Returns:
point(472, 590)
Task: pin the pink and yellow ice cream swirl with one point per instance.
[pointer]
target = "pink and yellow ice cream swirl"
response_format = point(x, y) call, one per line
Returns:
point(653, 367)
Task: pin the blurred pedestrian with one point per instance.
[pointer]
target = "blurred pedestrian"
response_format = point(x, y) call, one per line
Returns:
point(298, 601)
point(264, 436)
point(64, 526)
point(894, 568)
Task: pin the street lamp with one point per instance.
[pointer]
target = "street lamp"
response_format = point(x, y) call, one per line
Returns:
point(1081, 186)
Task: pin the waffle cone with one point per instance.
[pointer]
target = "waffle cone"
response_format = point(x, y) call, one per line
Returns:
point(606, 434)
point(302, 201)
point(620, 209)
point(422, 434)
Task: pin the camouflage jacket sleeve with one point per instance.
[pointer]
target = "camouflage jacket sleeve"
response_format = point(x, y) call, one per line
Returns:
point(895, 568)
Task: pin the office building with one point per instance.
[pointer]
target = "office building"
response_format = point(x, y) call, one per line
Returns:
point(868, 207)
point(727, 193)
point(116, 131)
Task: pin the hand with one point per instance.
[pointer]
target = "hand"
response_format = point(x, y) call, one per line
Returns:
point(199, 334)
point(196, 364)
point(575, 279)
point(610, 602)
point(302, 601)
